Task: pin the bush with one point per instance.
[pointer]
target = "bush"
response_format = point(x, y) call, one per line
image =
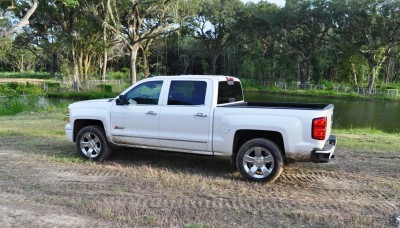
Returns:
point(119, 75)
point(13, 88)
point(105, 88)
point(86, 95)
point(53, 86)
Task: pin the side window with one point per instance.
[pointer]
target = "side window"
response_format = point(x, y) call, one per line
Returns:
point(187, 93)
point(145, 93)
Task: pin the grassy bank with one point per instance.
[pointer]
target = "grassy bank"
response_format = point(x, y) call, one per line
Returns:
point(31, 75)
point(368, 140)
point(18, 104)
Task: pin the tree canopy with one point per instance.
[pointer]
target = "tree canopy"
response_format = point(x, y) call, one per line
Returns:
point(306, 41)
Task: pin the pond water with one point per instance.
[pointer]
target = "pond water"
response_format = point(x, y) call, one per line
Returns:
point(383, 115)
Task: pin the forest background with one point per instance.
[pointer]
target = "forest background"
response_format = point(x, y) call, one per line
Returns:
point(347, 42)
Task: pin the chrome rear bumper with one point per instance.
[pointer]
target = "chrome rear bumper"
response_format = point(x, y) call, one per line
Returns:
point(326, 153)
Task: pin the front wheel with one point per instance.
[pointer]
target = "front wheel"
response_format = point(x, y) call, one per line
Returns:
point(92, 143)
point(260, 160)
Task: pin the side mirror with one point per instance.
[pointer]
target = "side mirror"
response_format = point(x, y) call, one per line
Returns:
point(120, 100)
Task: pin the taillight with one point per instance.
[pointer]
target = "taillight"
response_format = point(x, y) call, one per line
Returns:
point(319, 128)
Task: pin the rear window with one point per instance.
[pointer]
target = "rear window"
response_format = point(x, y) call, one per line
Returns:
point(229, 92)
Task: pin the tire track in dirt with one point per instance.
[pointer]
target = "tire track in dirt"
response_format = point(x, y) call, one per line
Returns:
point(347, 188)
point(114, 187)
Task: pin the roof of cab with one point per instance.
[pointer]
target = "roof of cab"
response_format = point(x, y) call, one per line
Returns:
point(212, 77)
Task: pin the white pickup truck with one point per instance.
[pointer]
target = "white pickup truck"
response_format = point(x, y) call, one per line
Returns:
point(204, 115)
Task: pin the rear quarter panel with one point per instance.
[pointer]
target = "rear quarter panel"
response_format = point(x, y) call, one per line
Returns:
point(293, 124)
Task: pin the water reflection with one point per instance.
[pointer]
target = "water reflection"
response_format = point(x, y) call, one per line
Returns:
point(383, 115)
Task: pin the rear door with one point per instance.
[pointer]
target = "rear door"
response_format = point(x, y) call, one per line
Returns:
point(186, 115)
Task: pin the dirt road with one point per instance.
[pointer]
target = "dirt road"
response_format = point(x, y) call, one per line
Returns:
point(43, 184)
point(141, 188)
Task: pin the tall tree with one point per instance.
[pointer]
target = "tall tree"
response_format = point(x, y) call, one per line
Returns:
point(136, 22)
point(373, 28)
point(263, 29)
point(216, 27)
point(307, 24)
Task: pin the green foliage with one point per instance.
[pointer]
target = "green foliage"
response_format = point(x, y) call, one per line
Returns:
point(328, 84)
point(7, 90)
point(348, 42)
point(15, 89)
point(34, 75)
point(105, 88)
point(18, 104)
point(53, 86)
point(86, 95)
point(119, 75)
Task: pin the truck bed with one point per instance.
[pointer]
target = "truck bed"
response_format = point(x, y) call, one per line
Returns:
point(278, 105)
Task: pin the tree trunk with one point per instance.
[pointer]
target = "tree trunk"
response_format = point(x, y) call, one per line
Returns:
point(214, 59)
point(80, 66)
point(303, 73)
point(354, 72)
point(371, 80)
point(376, 66)
point(105, 55)
point(23, 22)
point(133, 62)
point(146, 67)
point(75, 75)
point(87, 65)
point(53, 65)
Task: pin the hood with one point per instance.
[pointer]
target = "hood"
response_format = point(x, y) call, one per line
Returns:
point(97, 103)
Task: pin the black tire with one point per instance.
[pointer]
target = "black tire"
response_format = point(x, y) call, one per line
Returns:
point(259, 160)
point(92, 143)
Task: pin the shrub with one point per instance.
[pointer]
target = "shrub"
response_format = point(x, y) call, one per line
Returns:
point(105, 88)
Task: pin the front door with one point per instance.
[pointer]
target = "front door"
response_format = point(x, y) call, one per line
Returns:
point(137, 122)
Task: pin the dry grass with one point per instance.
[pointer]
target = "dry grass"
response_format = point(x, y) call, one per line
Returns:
point(40, 173)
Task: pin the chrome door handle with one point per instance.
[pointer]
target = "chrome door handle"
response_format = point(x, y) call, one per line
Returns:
point(151, 113)
point(200, 115)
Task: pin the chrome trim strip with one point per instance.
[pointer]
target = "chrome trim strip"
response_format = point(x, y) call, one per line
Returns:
point(178, 140)
point(165, 149)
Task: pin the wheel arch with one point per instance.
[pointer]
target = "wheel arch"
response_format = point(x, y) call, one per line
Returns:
point(81, 123)
point(242, 136)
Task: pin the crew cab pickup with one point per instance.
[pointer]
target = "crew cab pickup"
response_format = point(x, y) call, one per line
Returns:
point(204, 115)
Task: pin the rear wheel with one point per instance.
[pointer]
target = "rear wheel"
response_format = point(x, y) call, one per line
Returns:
point(92, 143)
point(260, 160)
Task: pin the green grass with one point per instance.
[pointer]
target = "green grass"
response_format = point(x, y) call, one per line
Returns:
point(34, 75)
point(368, 140)
point(16, 105)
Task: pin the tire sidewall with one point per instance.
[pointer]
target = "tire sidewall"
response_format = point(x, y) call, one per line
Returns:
point(268, 145)
point(105, 149)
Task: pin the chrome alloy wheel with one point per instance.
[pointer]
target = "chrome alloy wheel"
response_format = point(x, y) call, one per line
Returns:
point(258, 162)
point(90, 145)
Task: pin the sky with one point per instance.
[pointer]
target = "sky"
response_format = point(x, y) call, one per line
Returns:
point(280, 3)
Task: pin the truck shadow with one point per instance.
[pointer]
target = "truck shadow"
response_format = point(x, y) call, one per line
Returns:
point(175, 162)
